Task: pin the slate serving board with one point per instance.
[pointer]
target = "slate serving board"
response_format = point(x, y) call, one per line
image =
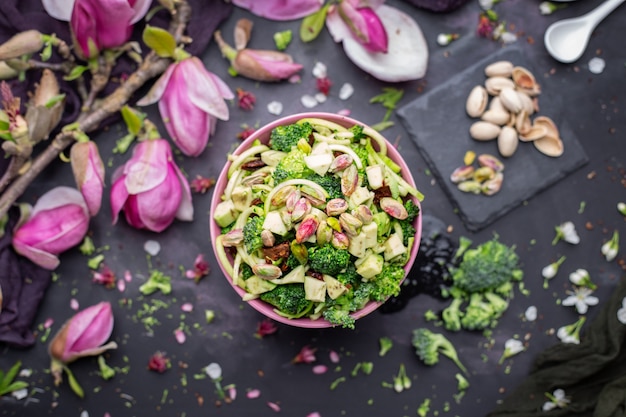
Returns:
point(439, 125)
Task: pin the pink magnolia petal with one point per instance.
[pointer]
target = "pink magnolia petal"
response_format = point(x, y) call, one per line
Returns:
point(320, 369)
point(187, 307)
point(253, 393)
point(280, 9)
point(43, 259)
point(187, 124)
point(74, 304)
point(201, 89)
point(157, 208)
point(222, 87)
point(377, 35)
point(140, 9)
point(273, 406)
point(131, 213)
point(128, 277)
point(145, 169)
point(180, 336)
point(121, 285)
point(57, 197)
point(158, 88)
point(334, 356)
point(356, 19)
point(118, 197)
point(59, 9)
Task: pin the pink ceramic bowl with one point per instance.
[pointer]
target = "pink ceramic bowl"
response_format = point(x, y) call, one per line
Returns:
point(263, 135)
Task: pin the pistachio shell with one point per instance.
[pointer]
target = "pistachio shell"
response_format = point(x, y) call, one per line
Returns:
point(549, 145)
point(510, 100)
point(497, 117)
point(528, 104)
point(499, 68)
point(496, 104)
point(525, 81)
point(507, 141)
point(535, 132)
point(484, 130)
point(549, 124)
point(476, 101)
point(523, 123)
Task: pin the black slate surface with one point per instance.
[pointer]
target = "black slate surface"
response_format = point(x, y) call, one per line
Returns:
point(439, 125)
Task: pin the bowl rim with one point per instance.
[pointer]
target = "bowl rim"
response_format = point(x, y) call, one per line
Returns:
point(214, 229)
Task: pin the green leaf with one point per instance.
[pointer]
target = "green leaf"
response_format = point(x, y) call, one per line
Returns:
point(71, 379)
point(14, 387)
point(389, 98)
point(312, 24)
point(75, 73)
point(133, 119)
point(46, 52)
point(160, 41)
point(10, 375)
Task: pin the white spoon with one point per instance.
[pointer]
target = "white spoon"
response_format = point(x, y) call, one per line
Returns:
point(567, 39)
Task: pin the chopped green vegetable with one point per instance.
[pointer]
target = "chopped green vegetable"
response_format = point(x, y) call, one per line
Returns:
point(282, 39)
point(157, 282)
point(328, 260)
point(106, 372)
point(7, 380)
point(428, 345)
point(290, 299)
point(252, 233)
point(284, 138)
point(87, 247)
point(385, 344)
point(424, 408)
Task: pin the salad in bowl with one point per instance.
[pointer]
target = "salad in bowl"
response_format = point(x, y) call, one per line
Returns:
point(315, 220)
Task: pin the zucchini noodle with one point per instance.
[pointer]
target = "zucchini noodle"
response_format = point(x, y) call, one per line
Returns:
point(241, 158)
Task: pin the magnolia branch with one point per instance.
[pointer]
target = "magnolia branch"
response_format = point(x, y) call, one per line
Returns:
point(91, 118)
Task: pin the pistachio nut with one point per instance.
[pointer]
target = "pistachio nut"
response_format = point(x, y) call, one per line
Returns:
point(254, 178)
point(507, 141)
point(340, 240)
point(349, 180)
point(483, 131)
point(301, 209)
point(511, 100)
point(268, 238)
point(495, 85)
point(279, 198)
point(233, 237)
point(364, 214)
point(476, 102)
point(340, 163)
point(495, 116)
point(307, 228)
point(493, 185)
point(499, 68)
point(484, 174)
point(299, 251)
point(334, 224)
point(350, 224)
point(336, 206)
point(292, 198)
point(462, 173)
point(470, 186)
point(488, 160)
point(394, 208)
point(525, 81)
point(266, 271)
point(324, 232)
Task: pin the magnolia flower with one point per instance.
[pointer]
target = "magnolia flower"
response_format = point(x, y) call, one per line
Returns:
point(621, 313)
point(191, 99)
point(551, 270)
point(364, 24)
point(82, 335)
point(260, 65)
point(582, 278)
point(89, 173)
point(567, 232)
point(571, 332)
point(581, 298)
point(511, 348)
point(150, 188)
point(610, 248)
point(280, 9)
point(103, 24)
point(58, 221)
point(557, 399)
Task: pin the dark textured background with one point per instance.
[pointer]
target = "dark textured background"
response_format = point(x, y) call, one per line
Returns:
point(593, 106)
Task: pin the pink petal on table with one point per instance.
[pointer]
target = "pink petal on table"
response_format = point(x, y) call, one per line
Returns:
point(273, 406)
point(334, 356)
point(314, 414)
point(74, 304)
point(121, 285)
point(232, 392)
point(180, 336)
point(48, 323)
point(187, 307)
point(128, 277)
point(253, 393)
point(320, 369)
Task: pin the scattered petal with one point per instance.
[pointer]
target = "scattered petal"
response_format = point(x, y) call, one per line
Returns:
point(253, 393)
point(187, 307)
point(48, 323)
point(20, 394)
point(531, 313)
point(152, 247)
point(275, 108)
point(320, 97)
point(74, 304)
point(121, 285)
point(201, 184)
point(265, 327)
point(180, 336)
point(323, 85)
point(158, 362)
point(314, 414)
point(308, 101)
point(346, 91)
point(344, 112)
point(319, 70)
point(334, 356)
point(213, 370)
point(306, 355)
point(245, 99)
point(596, 65)
point(128, 277)
point(273, 406)
point(320, 369)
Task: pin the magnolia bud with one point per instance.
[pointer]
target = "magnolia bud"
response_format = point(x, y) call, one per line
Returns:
point(43, 113)
point(23, 43)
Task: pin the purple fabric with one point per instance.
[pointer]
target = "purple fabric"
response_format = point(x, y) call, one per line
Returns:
point(20, 15)
point(439, 6)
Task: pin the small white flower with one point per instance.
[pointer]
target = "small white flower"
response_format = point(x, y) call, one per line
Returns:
point(346, 91)
point(567, 232)
point(596, 65)
point(275, 107)
point(531, 313)
point(610, 248)
point(320, 97)
point(581, 298)
point(511, 348)
point(557, 399)
point(444, 39)
point(571, 332)
point(508, 37)
point(547, 7)
point(152, 247)
point(487, 4)
point(319, 70)
point(582, 278)
point(551, 270)
point(213, 370)
point(621, 313)
point(308, 101)
point(621, 207)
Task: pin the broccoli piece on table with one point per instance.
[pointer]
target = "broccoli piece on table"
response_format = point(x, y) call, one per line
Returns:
point(289, 299)
point(331, 183)
point(252, 233)
point(385, 344)
point(479, 313)
point(328, 260)
point(283, 138)
point(292, 166)
point(339, 317)
point(428, 345)
point(387, 283)
point(498, 304)
point(452, 314)
point(486, 267)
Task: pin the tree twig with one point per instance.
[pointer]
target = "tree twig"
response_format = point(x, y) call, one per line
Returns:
point(90, 120)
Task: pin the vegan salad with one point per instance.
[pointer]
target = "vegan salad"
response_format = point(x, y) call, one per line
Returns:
point(318, 221)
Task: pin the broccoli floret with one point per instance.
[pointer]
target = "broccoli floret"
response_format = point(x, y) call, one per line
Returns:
point(498, 304)
point(339, 317)
point(357, 131)
point(328, 260)
point(428, 345)
point(411, 208)
point(387, 283)
point(479, 314)
point(292, 261)
point(331, 183)
point(291, 166)
point(452, 314)
point(283, 138)
point(361, 295)
point(252, 233)
point(487, 267)
point(385, 344)
point(289, 299)
point(246, 271)
point(349, 276)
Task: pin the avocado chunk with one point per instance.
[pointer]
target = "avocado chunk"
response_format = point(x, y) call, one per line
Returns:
point(371, 266)
point(314, 289)
point(225, 213)
point(334, 287)
point(256, 285)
